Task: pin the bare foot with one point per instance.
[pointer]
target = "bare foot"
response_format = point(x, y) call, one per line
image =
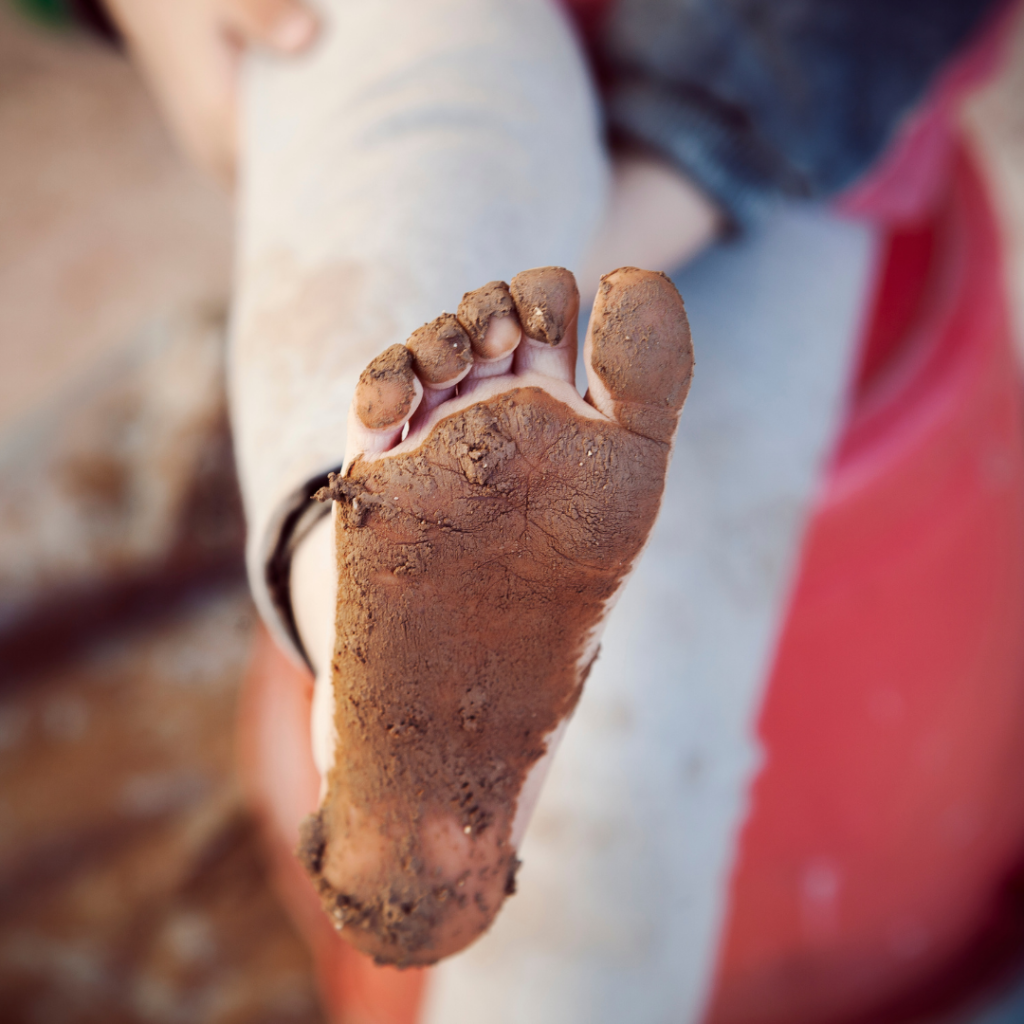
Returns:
point(475, 563)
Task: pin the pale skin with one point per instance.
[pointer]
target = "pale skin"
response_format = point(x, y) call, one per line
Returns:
point(655, 218)
point(190, 50)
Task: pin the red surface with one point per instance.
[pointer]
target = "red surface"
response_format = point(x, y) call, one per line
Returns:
point(912, 172)
point(587, 15)
point(890, 806)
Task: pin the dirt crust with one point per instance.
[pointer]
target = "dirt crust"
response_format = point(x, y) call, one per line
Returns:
point(478, 308)
point(472, 572)
point(547, 301)
point(441, 350)
point(641, 349)
point(385, 391)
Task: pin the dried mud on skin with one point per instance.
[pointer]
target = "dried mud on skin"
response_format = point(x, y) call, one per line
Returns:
point(479, 307)
point(386, 390)
point(472, 573)
point(636, 322)
point(440, 350)
point(546, 299)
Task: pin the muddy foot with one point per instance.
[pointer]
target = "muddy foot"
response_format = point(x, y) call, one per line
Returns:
point(476, 561)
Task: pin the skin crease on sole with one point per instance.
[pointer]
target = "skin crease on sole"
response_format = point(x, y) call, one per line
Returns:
point(475, 563)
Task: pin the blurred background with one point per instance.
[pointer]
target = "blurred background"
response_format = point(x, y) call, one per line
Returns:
point(132, 886)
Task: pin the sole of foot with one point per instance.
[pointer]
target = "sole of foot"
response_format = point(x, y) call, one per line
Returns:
point(486, 518)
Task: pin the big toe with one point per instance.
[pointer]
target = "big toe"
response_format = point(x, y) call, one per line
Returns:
point(638, 353)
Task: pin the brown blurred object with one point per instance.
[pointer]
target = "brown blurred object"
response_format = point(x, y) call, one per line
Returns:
point(102, 225)
point(132, 886)
point(118, 492)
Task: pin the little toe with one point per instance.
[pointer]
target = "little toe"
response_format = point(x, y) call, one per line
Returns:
point(547, 303)
point(387, 395)
point(489, 318)
point(638, 353)
point(442, 356)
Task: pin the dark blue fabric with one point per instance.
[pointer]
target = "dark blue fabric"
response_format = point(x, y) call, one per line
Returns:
point(756, 99)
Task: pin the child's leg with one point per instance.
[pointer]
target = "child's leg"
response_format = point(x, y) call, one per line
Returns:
point(422, 149)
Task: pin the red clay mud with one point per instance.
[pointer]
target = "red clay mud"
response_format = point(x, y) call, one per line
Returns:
point(440, 350)
point(547, 302)
point(472, 572)
point(385, 391)
point(478, 308)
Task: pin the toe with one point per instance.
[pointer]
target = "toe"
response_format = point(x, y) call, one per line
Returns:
point(441, 352)
point(638, 353)
point(547, 303)
point(489, 318)
point(387, 395)
point(442, 356)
